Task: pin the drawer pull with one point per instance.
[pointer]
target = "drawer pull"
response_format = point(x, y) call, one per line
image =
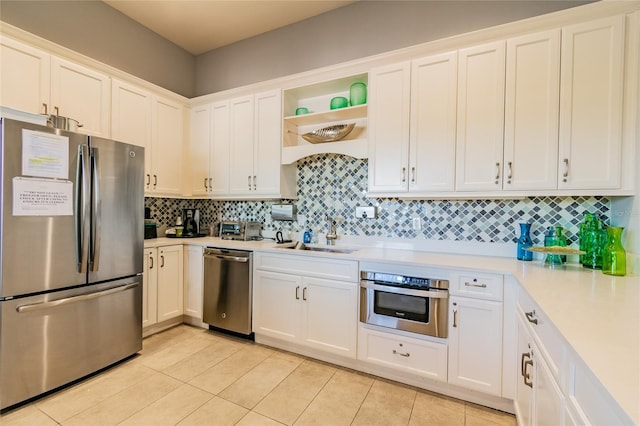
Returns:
point(297, 292)
point(531, 317)
point(468, 284)
point(406, 354)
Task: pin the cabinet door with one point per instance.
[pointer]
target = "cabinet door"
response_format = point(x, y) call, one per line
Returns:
point(480, 125)
point(277, 305)
point(193, 281)
point(531, 112)
point(24, 76)
point(433, 123)
point(389, 102)
point(525, 376)
point(221, 122)
point(268, 136)
point(167, 146)
point(170, 282)
point(591, 104)
point(150, 287)
point(331, 315)
point(82, 94)
point(199, 146)
point(548, 407)
point(131, 115)
point(241, 170)
point(475, 344)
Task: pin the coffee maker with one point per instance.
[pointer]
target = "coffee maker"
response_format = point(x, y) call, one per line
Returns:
point(191, 222)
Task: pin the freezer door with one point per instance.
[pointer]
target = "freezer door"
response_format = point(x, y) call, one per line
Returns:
point(50, 340)
point(117, 226)
point(38, 252)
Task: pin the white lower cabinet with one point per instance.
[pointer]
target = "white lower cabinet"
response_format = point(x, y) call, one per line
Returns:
point(419, 357)
point(539, 399)
point(193, 281)
point(314, 312)
point(475, 344)
point(162, 291)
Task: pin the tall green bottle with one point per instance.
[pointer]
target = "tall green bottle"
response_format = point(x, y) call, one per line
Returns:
point(614, 257)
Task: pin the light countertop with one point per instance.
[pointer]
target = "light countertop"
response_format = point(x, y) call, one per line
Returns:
point(598, 315)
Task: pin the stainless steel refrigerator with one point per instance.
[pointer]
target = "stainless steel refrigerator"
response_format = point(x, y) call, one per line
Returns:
point(71, 256)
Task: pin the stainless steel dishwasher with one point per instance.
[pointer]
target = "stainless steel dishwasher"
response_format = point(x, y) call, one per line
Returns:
point(227, 289)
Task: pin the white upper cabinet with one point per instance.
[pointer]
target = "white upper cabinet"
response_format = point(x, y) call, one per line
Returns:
point(167, 133)
point(267, 138)
point(389, 94)
point(131, 115)
point(82, 94)
point(24, 76)
point(241, 146)
point(199, 144)
point(219, 168)
point(591, 100)
point(432, 140)
point(531, 112)
point(480, 126)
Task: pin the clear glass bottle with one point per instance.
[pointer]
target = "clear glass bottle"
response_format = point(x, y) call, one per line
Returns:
point(524, 241)
point(614, 257)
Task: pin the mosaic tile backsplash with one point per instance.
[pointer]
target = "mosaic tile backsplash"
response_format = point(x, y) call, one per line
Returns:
point(334, 185)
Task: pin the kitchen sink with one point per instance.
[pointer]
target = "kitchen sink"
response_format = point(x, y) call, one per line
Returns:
point(326, 249)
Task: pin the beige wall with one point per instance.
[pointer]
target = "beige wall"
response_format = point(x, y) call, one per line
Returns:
point(102, 33)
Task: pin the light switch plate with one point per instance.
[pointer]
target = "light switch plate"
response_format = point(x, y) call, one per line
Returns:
point(368, 212)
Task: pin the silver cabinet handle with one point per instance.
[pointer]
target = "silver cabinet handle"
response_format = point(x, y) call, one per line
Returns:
point(413, 175)
point(455, 315)
point(509, 171)
point(297, 292)
point(162, 261)
point(404, 354)
point(304, 293)
point(73, 299)
point(206, 188)
point(404, 174)
point(526, 377)
point(565, 174)
point(150, 262)
point(473, 284)
point(211, 184)
point(531, 317)
point(497, 173)
point(155, 181)
point(255, 183)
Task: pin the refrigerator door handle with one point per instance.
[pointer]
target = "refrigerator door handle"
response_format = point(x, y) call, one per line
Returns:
point(81, 208)
point(67, 300)
point(96, 210)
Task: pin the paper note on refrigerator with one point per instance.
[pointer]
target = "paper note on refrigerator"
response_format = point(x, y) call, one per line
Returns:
point(42, 197)
point(45, 155)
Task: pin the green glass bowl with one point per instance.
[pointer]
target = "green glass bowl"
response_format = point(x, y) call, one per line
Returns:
point(338, 102)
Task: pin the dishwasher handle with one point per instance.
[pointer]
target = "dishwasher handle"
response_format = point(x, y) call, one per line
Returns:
point(229, 258)
point(227, 255)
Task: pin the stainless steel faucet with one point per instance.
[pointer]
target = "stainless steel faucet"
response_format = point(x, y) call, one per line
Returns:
point(332, 234)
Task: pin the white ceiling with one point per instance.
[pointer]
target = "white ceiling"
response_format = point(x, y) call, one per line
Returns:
point(202, 25)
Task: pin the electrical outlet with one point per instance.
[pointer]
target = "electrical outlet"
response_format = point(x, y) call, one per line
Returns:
point(417, 223)
point(365, 212)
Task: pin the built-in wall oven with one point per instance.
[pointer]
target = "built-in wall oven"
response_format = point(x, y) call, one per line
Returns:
point(414, 304)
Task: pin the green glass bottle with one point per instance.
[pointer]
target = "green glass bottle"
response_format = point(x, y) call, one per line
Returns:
point(614, 257)
point(582, 233)
point(595, 238)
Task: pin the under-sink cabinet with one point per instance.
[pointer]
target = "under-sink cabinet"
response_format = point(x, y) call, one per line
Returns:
point(306, 302)
point(162, 284)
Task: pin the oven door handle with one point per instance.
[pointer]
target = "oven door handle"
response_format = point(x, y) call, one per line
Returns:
point(434, 294)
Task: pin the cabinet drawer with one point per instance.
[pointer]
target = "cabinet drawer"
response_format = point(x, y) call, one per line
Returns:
point(549, 340)
point(420, 357)
point(308, 266)
point(478, 285)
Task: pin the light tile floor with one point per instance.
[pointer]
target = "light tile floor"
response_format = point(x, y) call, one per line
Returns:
point(190, 376)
